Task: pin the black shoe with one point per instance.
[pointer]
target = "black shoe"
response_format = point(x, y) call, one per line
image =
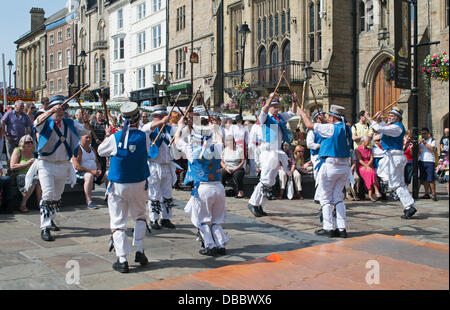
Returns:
point(208, 252)
point(221, 251)
point(341, 234)
point(167, 224)
point(326, 233)
point(46, 236)
point(409, 213)
point(121, 267)
point(261, 211)
point(254, 210)
point(141, 258)
point(320, 217)
point(434, 197)
point(53, 227)
point(426, 196)
point(155, 225)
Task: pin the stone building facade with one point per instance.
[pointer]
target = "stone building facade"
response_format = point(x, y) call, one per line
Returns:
point(59, 52)
point(30, 55)
point(346, 42)
point(192, 29)
point(92, 37)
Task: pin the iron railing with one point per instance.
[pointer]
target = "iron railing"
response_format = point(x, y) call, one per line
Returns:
point(267, 76)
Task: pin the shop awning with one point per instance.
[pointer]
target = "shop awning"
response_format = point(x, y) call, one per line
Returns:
point(178, 87)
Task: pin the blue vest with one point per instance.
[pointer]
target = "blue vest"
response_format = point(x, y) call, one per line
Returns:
point(318, 140)
point(202, 170)
point(338, 145)
point(163, 137)
point(393, 143)
point(129, 165)
point(70, 137)
point(270, 134)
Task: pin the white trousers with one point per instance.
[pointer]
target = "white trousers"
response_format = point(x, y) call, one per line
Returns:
point(331, 180)
point(208, 212)
point(297, 177)
point(391, 170)
point(53, 178)
point(270, 165)
point(160, 181)
point(123, 199)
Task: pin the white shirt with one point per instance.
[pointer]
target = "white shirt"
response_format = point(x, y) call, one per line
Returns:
point(88, 159)
point(108, 147)
point(240, 133)
point(326, 131)
point(310, 141)
point(163, 156)
point(60, 154)
point(387, 129)
point(425, 154)
point(285, 116)
point(255, 139)
point(186, 149)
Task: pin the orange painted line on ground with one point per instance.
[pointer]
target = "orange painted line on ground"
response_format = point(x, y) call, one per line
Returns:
point(345, 264)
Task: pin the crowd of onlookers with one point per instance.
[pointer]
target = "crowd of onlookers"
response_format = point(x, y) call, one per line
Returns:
point(240, 156)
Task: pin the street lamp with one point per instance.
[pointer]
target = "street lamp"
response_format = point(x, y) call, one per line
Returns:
point(243, 31)
point(10, 64)
point(309, 72)
point(83, 56)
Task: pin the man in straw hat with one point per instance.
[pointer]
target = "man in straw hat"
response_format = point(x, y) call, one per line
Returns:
point(162, 169)
point(274, 133)
point(127, 190)
point(393, 163)
point(206, 206)
point(59, 139)
point(333, 169)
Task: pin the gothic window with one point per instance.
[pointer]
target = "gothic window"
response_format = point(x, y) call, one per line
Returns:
point(270, 26)
point(273, 61)
point(261, 65)
point(276, 24)
point(283, 23)
point(362, 16)
point(264, 28)
point(311, 32)
point(259, 29)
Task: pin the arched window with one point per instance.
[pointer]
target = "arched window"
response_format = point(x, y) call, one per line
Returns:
point(362, 16)
point(283, 22)
point(311, 29)
point(103, 68)
point(264, 28)
point(261, 65)
point(259, 30)
point(273, 61)
point(270, 26)
point(97, 70)
point(276, 24)
point(286, 57)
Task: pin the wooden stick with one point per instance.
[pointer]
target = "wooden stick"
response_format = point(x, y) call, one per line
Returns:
point(303, 95)
point(314, 96)
point(164, 126)
point(287, 82)
point(276, 88)
point(391, 105)
point(105, 108)
point(206, 109)
point(187, 110)
point(65, 102)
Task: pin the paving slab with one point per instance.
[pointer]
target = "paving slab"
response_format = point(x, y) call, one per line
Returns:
point(338, 265)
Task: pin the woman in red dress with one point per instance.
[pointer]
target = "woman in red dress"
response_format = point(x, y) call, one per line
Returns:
point(365, 169)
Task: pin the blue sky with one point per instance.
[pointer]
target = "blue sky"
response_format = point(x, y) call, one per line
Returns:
point(15, 22)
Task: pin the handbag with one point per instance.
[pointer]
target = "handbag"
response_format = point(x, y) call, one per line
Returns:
point(290, 188)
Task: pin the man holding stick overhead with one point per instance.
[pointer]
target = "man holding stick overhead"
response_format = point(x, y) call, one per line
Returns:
point(162, 169)
point(393, 163)
point(333, 169)
point(274, 133)
point(59, 139)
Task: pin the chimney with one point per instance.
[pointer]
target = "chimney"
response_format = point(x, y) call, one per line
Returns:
point(37, 17)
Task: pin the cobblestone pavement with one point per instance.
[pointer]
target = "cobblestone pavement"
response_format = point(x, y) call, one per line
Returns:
point(27, 262)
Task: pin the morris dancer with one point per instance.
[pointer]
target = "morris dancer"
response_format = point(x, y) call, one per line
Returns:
point(162, 170)
point(274, 133)
point(59, 139)
point(391, 167)
point(333, 170)
point(207, 204)
point(127, 190)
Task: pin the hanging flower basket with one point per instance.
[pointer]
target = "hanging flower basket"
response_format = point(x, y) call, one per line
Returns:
point(241, 95)
point(389, 70)
point(436, 67)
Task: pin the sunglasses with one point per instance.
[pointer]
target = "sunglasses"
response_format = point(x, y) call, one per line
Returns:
point(28, 142)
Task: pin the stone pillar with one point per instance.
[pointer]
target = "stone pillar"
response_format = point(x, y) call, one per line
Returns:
point(32, 67)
